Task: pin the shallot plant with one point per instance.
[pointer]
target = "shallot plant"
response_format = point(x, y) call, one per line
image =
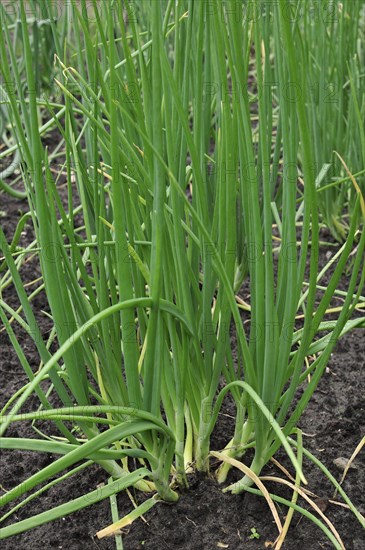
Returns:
point(159, 207)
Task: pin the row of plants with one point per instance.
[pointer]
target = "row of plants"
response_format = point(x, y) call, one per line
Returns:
point(197, 156)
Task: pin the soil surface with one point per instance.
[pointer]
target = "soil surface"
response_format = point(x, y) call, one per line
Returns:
point(204, 518)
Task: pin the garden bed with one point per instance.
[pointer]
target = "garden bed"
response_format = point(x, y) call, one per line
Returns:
point(204, 518)
point(156, 181)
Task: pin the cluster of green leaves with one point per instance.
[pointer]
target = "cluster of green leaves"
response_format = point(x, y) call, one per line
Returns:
point(334, 58)
point(43, 49)
point(175, 186)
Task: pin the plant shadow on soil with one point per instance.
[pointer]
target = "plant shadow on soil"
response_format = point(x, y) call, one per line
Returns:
point(204, 518)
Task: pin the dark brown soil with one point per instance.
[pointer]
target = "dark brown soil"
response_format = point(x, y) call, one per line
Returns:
point(204, 518)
